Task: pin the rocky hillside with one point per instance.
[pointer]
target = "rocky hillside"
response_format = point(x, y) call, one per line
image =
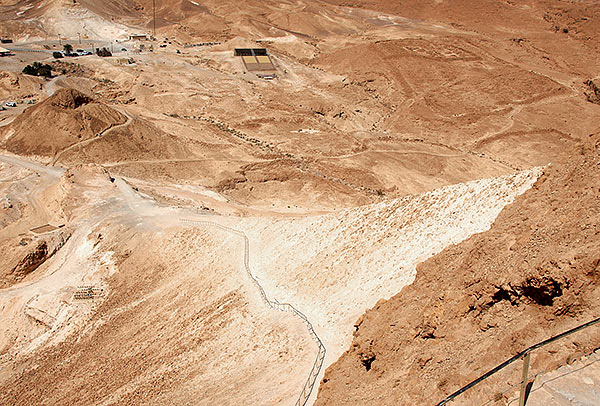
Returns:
point(336, 266)
point(22, 259)
point(177, 326)
point(534, 274)
point(76, 128)
point(63, 119)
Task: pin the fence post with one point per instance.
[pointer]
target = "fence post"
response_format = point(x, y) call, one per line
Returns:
point(524, 378)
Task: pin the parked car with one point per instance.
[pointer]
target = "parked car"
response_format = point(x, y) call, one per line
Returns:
point(11, 104)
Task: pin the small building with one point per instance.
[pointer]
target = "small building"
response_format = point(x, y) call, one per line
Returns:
point(250, 51)
point(255, 59)
point(125, 61)
point(138, 37)
point(4, 52)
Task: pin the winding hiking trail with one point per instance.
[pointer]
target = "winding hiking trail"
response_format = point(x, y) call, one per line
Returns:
point(276, 305)
point(140, 208)
point(80, 144)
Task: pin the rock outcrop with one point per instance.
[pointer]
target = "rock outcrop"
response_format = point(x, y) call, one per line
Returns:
point(534, 274)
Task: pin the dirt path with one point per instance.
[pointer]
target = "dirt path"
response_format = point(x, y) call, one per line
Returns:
point(165, 161)
point(393, 151)
point(97, 137)
point(223, 205)
point(51, 87)
point(40, 213)
point(511, 118)
point(11, 160)
point(142, 209)
point(7, 120)
point(275, 305)
point(145, 207)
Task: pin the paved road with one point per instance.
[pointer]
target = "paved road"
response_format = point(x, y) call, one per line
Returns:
point(41, 51)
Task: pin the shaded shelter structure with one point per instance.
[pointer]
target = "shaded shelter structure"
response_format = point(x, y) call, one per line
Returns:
point(255, 59)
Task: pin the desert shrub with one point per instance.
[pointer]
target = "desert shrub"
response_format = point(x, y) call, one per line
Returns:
point(38, 69)
point(103, 52)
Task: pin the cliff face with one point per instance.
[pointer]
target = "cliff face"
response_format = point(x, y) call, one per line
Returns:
point(534, 274)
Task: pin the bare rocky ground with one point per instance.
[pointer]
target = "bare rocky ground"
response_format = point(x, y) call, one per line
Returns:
point(395, 133)
point(533, 275)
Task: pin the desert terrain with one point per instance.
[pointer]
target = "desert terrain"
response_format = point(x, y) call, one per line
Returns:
point(401, 197)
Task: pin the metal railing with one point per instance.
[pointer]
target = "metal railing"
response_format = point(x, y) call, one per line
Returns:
point(525, 355)
point(276, 305)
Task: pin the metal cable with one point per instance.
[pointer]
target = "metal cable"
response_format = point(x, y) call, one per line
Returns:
point(549, 369)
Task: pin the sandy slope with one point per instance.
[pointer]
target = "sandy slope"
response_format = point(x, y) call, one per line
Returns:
point(61, 120)
point(335, 267)
point(372, 102)
point(197, 273)
point(533, 275)
point(204, 329)
point(203, 317)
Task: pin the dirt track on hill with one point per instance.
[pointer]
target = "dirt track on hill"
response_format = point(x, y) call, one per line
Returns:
point(98, 135)
point(391, 156)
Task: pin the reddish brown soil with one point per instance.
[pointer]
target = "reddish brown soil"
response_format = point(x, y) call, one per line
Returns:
point(579, 18)
point(536, 273)
point(62, 120)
